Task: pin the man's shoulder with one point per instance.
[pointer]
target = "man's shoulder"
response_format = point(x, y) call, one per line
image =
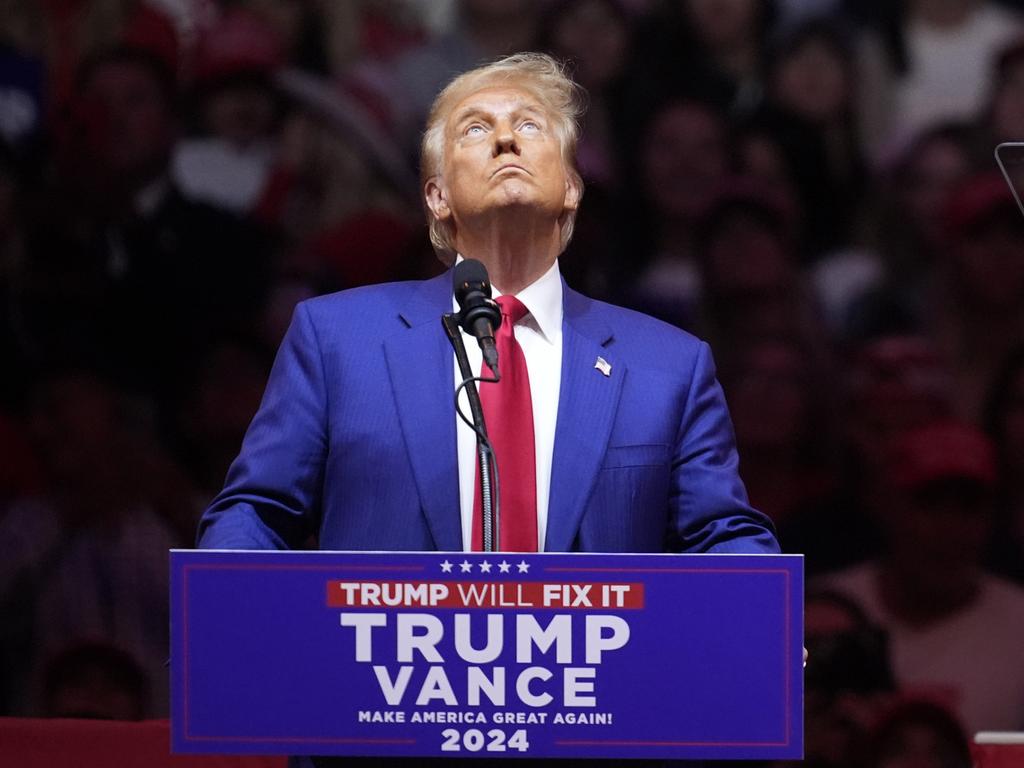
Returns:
point(638, 337)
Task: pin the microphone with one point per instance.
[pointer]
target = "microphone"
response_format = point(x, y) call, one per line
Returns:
point(480, 315)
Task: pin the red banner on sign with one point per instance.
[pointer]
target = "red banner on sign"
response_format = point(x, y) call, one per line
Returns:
point(484, 594)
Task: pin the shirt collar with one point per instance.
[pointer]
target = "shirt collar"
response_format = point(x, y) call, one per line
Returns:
point(543, 300)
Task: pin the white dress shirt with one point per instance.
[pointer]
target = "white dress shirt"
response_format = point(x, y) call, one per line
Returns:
point(539, 334)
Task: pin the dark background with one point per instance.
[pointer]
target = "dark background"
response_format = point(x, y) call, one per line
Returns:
point(808, 185)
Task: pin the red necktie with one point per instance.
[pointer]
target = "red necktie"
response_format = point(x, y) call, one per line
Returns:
point(508, 413)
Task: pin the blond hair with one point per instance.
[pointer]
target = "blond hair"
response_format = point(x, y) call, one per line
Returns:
point(545, 79)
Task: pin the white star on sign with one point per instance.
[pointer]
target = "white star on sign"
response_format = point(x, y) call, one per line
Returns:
point(466, 566)
point(446, 567)
point(503, 566)
point(485, 567)
point(523, 566)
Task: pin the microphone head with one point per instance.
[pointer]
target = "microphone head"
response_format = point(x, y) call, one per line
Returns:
point(473, 293)
point(470, 276)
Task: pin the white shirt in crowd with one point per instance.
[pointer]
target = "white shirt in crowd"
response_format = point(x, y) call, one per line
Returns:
point(949, 77)
point(971, 661)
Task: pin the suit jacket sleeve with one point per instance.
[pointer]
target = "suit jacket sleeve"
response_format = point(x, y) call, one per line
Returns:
point(709, 503)
point(272, 496)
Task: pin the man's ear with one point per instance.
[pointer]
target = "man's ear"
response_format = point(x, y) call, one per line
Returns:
point(436, 199)
point(573, 193)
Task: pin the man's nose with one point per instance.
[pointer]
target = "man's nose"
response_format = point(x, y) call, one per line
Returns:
point(505, 140)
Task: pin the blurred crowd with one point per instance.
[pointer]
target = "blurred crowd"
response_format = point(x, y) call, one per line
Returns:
point(807, 184)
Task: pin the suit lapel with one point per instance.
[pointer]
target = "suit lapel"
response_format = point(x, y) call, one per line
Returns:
point(419, 360)
point(586, 412)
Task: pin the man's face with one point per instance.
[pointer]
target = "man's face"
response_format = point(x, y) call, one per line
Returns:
point(684, 155)
point(937, 532)
point(130, 128)
point(501, 152)
point(988, 262)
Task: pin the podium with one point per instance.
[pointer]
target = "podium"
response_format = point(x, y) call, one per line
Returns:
point(495, 655)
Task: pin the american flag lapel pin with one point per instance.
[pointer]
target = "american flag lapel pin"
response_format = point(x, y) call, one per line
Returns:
point(603, 366)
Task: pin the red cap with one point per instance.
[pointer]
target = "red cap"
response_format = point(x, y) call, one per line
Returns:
point(239, 42)
point(150, 30)
point(943, 450)
point(976, 199)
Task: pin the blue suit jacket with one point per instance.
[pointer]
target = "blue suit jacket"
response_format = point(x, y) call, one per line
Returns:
point(355, 439)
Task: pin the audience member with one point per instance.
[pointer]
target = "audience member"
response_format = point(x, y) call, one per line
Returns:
point(95, 681)
point(896, 383)
point(685, 157)
point(810, 111)
point(927, 589)
point(928, 63)
point(777, 390)
point(710, 50)
point(227, 162)
point(319, 38)
point(760, 156)
point(64, 34)
point(222, 399)
point(919, 734)
point(126, 269)
point(745, 244)
point(909, 232)
point(976, 307)
point(1004, 421)
point(337, 163)
point(366, 248)
point(86, 559)
point(847, 680)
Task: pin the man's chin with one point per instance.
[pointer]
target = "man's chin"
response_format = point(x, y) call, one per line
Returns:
point(515, 186)
point(525, 198)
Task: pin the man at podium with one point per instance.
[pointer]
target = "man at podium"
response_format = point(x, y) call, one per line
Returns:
point(610, 430)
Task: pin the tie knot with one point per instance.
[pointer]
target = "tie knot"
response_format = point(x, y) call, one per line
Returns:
point(512, 308)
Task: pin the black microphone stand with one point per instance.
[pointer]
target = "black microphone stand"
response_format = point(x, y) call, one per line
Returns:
point(490, 497)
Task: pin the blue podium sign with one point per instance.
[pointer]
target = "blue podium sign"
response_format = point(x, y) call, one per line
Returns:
point(497, 655)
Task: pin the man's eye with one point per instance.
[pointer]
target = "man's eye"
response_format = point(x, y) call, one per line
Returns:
point(529, 126)
point(474, 130)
